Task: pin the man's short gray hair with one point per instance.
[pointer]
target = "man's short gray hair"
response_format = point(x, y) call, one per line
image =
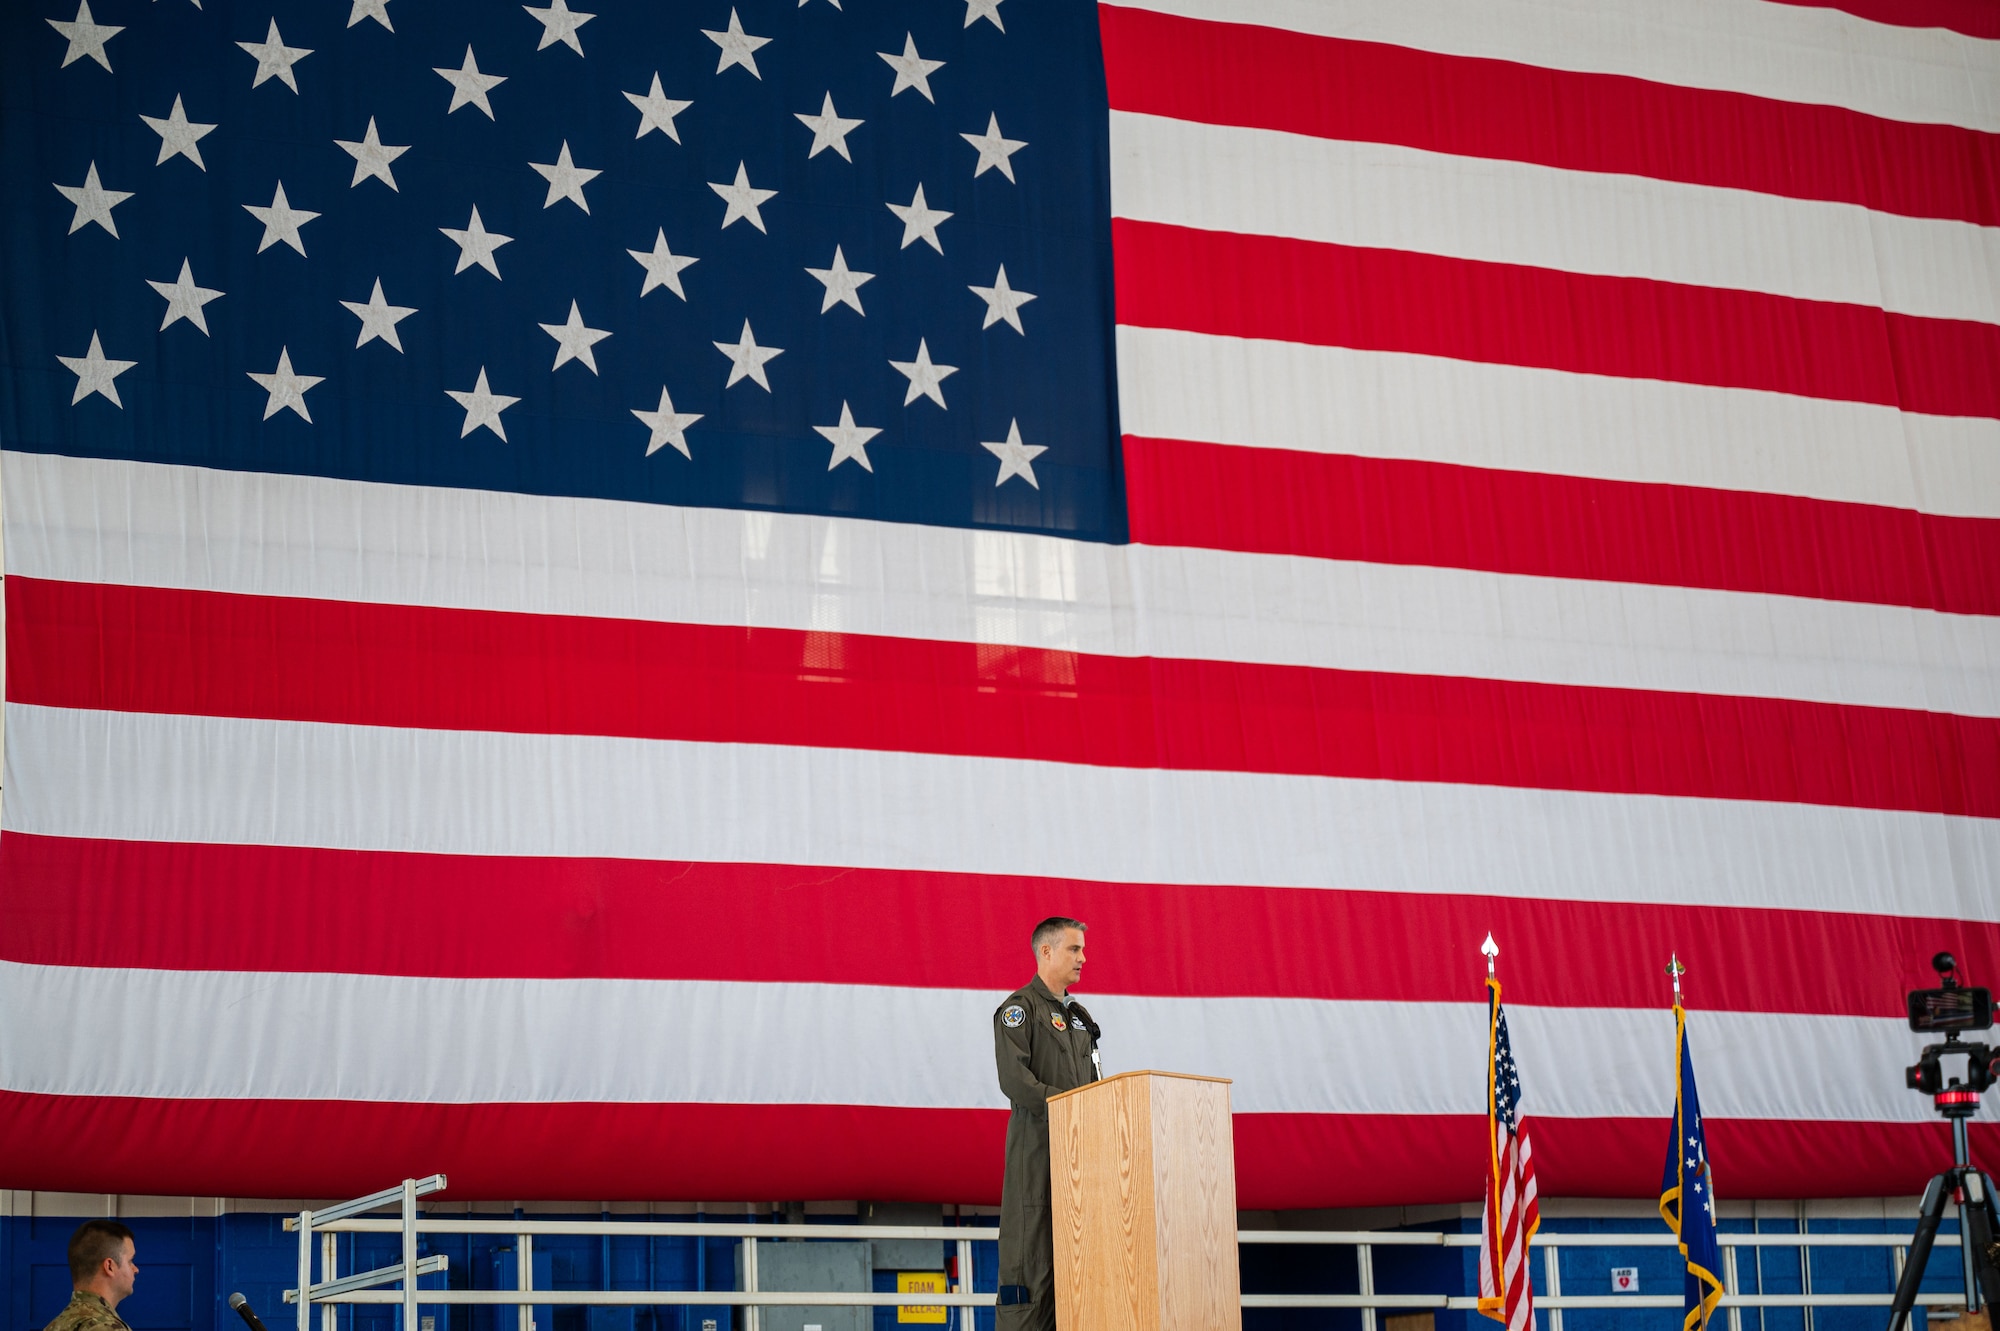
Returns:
point(1049, 930)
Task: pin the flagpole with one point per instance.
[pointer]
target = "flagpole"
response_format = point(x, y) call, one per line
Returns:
point(1492, 1300)
point(1687, 1188)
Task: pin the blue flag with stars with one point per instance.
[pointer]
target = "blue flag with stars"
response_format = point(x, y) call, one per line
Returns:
point(780, 254)
point(1687, 1190)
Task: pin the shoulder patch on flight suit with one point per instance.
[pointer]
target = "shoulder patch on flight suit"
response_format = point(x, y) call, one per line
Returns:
point(1013, 1016)
point(1055, 1020)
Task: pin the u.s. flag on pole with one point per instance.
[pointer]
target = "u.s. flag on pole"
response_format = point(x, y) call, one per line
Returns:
point(1511, 1214)
point(579, 574)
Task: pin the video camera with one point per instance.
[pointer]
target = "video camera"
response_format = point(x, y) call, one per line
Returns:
point(1949, 1009)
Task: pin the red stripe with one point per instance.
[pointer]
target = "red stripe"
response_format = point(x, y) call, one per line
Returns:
point(1393, 511)
point(1972, 18)
point(1334, 88)
point(1514, 1249)
point(193, 906)
point(267, 1148)
point(103, 647)
point(1290, 290)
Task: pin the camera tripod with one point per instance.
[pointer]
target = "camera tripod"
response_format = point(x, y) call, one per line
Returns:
point(1978, 1222)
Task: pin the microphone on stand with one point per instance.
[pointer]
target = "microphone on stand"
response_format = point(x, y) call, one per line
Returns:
point(243, 1310)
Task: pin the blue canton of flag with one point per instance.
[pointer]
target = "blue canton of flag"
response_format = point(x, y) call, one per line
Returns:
point(739, 253)
point(1506, 1075)
point(1687, 1189)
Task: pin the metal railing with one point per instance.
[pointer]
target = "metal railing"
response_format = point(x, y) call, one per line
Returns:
point(365, 1287)
point(1551, 1298)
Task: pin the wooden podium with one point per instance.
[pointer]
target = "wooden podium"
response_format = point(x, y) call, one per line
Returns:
point(1143, 1189)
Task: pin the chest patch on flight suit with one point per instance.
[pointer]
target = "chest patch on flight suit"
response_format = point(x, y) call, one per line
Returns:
point(1055, 1020)
point(1013, 1016)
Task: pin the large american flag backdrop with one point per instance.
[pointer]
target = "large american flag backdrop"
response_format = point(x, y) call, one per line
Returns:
point(578, 580)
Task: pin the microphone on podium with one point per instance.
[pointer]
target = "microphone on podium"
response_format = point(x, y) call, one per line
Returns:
point(243, 1310)
point(1081, 1016)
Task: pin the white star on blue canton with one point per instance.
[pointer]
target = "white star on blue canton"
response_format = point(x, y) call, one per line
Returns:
point(566, 179)
point(178, 135)
point(378, 318)
point(744, 200)
point(1003, 302)
point(662, 265)
point(830, 129)
point(375, 9)
point(850, 441)
point(476, 244)
point(371, 157)
point(1016, 458)
point(995, 150)
point(185, 299)
point(286, 388)
point(96, 373)
point(559, 24)
point(482, 407)
point(843, 284)
point(574, 340)
point(925, 375)
point(281, 221)
point(93, 202)
point(738, 47)
point(667, 425)
point(468, 86)
point(920, 221)
point(657, 110)
point(86, 36)
point(912, 70)
point(275, 59)
point(747, 359)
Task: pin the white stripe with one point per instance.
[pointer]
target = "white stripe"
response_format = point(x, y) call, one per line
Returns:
point(1787, 52)
point(318, 1036)
point(1225, 390)
point(146, 777)
point(135, 523)
point(1523, 1300)
point(1333, 191)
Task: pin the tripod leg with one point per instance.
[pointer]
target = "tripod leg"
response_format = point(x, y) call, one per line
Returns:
point(1931, 1211)
point(1982, 1231)
point(1971, 1220)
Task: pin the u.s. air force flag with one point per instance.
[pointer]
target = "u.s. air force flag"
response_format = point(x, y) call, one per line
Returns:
point(1687, 1189)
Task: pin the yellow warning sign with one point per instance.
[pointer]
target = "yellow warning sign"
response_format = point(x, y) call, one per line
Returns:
point(922, 1282)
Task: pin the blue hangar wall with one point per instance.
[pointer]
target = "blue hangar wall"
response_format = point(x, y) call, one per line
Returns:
point(191, 1261)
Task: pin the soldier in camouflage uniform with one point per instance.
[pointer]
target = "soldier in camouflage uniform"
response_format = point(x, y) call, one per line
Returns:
point(1044, 1043)
point(103, 1273)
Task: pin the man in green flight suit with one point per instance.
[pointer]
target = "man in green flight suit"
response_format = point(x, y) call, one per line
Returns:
point(1045, 1043)
point(102, 1272)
